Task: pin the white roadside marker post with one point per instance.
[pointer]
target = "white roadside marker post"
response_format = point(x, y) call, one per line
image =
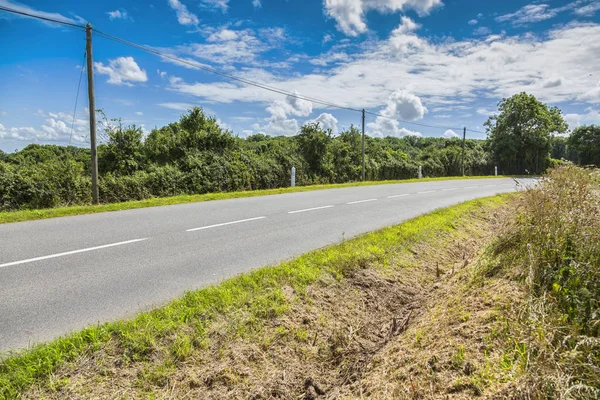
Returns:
point(293, 176)
point(496, 171)
point(420, 172)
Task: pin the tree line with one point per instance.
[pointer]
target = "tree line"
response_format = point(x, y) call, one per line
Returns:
point(195, 155)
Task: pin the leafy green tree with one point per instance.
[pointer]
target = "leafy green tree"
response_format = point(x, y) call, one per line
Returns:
point(520, 135)
point(123, 154)
point(585, 143)
point(313, 143)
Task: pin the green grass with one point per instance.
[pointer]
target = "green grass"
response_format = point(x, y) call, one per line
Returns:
point(181, 326)
point(28, 215)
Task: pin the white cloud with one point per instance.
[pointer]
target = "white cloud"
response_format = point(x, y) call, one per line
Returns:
point(177, 106)
point(485, 112)
point(119, 14)
point(587, 10)
point(326, 121)
point(57, 128)
point(139, 113)
point(349, 14)
point(473, 22)
point(184, 17)
point(279, 122)
point(327, 38)
point(226, 45)
point(122, 71)
point(449, 134)
point(529, 14)
point(217, 5)
point(482, 31)
point(591, 117)
point(256, 3)
point(400, 105)
point(29, 10)
point(447, 73)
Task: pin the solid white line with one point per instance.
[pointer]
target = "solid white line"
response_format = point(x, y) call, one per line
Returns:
point(446, 190)
point(225, 223)
point(67, 253)
point(308, 209)
point(361, 201)
point(429, 191)
point(398, 195)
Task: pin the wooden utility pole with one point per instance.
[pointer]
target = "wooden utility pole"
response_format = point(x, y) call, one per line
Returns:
point(92, 109)
point(363, 144)
point(463, 151)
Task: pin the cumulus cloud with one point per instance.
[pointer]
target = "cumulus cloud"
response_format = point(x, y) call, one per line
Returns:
point(256, 3)
point(118, 14)
point(591, 117)
point(326, 121)
point(449, 134)
point(473, 22)
point(349, 14)
point(447, 74)
point(280, 123)
point(400, 105)
point(56, 128)
point(184, 17)
point(122, 71)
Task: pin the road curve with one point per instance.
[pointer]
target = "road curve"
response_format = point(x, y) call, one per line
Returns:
point(62, 274)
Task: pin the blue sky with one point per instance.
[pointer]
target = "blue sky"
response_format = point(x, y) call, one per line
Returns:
point(437, 62)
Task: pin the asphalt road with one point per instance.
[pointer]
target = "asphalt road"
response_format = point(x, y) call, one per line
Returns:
point(62, 274)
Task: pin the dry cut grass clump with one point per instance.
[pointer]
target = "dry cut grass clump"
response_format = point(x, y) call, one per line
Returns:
point(553, 247)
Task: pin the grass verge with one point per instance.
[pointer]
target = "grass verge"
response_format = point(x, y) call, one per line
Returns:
point(28, 215)
point(312, 309)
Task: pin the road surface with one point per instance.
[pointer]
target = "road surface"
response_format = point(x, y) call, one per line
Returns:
point(62, 274)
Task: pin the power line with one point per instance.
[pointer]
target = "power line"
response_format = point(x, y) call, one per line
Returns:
point(77, 97)
point(229, 76)
point(26, 14)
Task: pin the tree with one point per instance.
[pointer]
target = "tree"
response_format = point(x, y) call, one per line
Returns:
point(124, 151)
point(585, 143)
point(313, 143)
point(520, 135)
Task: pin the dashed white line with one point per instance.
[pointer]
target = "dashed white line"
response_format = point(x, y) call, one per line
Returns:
point(398, 195)
point(67, 253)
point(309, 209)
point(429, 191)
point(449, 189)
point(471, 187)
point(224, 224)
point(361, 201)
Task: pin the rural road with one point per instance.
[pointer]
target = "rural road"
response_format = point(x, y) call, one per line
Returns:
point(62, 274)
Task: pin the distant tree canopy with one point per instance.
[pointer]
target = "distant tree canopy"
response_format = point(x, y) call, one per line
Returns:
point(195, 155)
point(584, 142)
point(520, 136)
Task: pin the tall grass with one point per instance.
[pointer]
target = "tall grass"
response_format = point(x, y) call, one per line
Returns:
point(554, 248)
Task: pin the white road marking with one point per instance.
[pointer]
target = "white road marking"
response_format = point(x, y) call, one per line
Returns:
point(429, 191)
point(361, 201)
point(67, 253)
point(398, 195)
point(224, 224)
point(471, 187)
point(447, 190)
point(308, 209)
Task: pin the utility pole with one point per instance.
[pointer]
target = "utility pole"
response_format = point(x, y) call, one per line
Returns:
point(463, 151)
point(363, 144)
point(92, 108)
